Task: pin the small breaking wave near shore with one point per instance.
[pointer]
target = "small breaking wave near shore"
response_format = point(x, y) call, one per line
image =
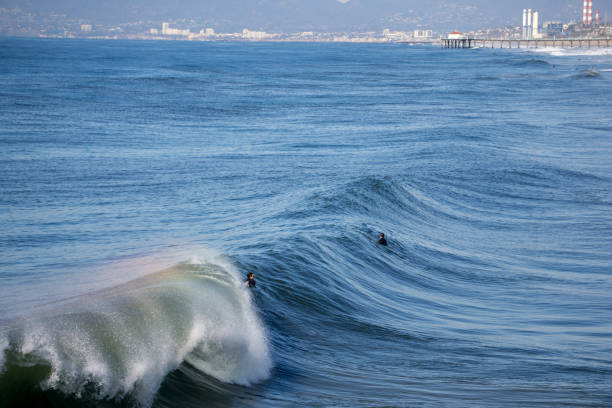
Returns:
point(120, 343)
point(572, 52)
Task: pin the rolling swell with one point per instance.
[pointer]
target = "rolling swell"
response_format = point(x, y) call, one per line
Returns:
point(119, 344)
point(346, 315)
point(471, 255)
point(588, 74)
point(533, 62)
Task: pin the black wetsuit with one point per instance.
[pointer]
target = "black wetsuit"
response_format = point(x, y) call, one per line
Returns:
point(251, 283)
point(382, 241)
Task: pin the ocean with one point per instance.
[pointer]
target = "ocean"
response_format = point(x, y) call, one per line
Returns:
point(140, 181)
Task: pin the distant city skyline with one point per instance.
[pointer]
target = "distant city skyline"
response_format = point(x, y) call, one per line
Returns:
point(314, 15)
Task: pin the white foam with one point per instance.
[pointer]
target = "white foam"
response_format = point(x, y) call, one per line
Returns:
point(227, 350)
point(127, 339)
point(572, 52)
point(3, 346)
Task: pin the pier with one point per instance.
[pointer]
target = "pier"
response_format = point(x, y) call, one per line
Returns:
point(493, 43)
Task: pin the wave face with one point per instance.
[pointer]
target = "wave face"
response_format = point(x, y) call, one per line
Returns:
point(119, 344)
point(121, 162)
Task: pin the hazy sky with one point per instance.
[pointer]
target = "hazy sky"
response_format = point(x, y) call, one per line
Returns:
point(320, 15)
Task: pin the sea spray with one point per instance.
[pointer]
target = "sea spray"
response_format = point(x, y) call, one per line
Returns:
point(3, 346)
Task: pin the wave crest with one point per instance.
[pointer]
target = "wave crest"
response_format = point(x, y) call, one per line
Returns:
point(591, 73)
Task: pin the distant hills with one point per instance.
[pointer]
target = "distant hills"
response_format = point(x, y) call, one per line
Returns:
point(311, 15)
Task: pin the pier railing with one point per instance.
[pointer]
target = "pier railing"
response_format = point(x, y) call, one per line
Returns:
point(544, 43)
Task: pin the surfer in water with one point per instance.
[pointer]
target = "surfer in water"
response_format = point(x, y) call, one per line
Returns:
point(250, 280)
point(382, 240)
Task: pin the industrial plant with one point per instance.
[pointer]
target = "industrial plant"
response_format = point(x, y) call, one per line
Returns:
point(533, 30)
point(587, 13)
point(589, 33)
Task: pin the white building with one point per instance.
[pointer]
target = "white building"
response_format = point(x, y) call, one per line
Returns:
point(423, 33)
point(207, 32)
point(553, 28)
point(254, 35)
point(167, 30)
point(85, 28)
point(395, 35)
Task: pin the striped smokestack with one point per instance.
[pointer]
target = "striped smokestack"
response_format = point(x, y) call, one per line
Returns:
point(585, 11)
point(596, 16)
point(590, 12)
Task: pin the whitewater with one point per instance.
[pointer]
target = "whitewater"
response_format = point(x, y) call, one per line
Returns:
point(141, 181)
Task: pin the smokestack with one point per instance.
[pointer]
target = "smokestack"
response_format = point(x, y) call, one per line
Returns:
point(529, 26)
point(590, 20)
point(524, 24)
point(536, 24)
point(596, 16)
point(585, 12)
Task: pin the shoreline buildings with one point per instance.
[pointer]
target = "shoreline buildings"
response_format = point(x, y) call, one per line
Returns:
point(593, 24)
point(209, 34)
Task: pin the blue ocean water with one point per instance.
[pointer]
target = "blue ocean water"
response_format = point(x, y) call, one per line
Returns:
point(140, 181)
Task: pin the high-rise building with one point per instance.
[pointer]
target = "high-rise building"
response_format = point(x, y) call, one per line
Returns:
point(535, 32)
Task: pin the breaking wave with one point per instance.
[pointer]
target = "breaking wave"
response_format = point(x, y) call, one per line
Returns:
point(120, 343)
point(572, 52)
